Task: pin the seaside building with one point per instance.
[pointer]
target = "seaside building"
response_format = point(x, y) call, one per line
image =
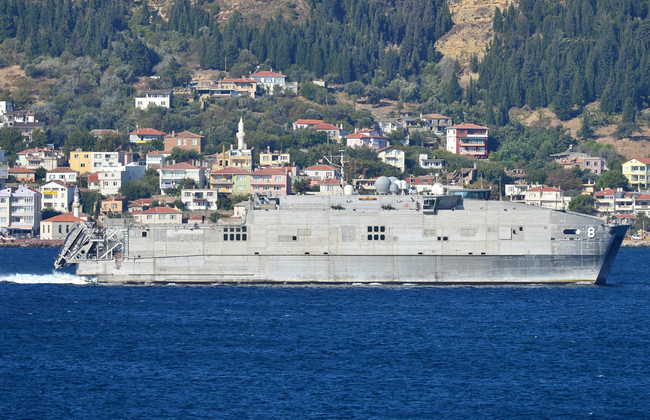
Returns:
point(20, 211)
point(171, 175)
point(62, 174)
point(57, 195)
point(184, 140)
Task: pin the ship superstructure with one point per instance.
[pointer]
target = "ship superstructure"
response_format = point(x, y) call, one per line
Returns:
point(430, 239)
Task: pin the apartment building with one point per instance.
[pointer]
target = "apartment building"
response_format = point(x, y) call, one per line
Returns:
point(57, 195)
point(20, 211)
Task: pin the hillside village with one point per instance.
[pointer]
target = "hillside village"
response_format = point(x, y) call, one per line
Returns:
point(40, 192)
point(184, 109)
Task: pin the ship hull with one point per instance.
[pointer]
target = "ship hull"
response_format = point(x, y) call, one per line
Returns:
point(394, 239)
point(328, 269)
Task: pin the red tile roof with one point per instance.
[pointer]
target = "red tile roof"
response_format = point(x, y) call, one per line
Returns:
point(645, 161)
point(270, 171)
point(244, 80)
point(309, 122)
point(267, 74)
point(643, 197)
point(325, 127)
point(143, 201)
point(184, 134)
point(21, 171)
point(93, 177)
point(468, 126)
point(386, 148)
point(320, 167)
point(543, 189)
point(231, 170)
point(147, 131)
point(161, 210)
point(58, 181)
point(36, 150)
point(437, 116)
point(66, 217)
point(159, 152)
point(61, 169)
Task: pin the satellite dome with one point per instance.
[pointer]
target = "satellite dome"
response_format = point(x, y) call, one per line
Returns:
point(394, 189)
point(393, 179)
point(438, 189)
point(348, 190)
point(403, 185)
point(382, 184)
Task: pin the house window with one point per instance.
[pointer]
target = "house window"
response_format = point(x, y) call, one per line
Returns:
point(194, 142)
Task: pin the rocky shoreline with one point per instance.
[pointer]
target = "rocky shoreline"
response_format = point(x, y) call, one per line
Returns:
point(635, 244)
point(31, 243)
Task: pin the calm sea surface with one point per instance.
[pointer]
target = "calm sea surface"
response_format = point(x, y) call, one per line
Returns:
point(107, 352)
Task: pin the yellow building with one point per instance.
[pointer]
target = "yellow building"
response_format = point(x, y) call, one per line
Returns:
point(234, 158)
point(80, 161)
point(637, 172)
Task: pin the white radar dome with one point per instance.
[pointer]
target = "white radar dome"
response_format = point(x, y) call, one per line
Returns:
point(392, 179)
point(438, 189)
point(348, 190)
point(394, 189)
point(403, 185)
point(382, 184)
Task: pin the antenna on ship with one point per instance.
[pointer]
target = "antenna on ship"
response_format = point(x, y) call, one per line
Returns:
point(341, 166)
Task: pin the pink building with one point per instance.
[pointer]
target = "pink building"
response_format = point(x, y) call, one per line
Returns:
point(468, 139)
point(367, 137)
point(272, 182)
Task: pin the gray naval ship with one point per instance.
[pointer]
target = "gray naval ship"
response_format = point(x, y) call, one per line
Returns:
point(460, 238)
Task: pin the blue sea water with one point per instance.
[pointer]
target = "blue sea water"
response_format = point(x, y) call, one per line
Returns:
point(273, 352)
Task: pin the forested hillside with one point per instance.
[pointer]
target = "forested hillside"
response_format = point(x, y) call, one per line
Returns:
point(347, 39)
point(548, 53)
point(84, 61)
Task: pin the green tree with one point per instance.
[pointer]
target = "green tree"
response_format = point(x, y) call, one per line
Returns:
point(186, 184)
point(134, 190)
point(583, 204)
point(612, 179)
point(178, 203)
point(179, 155)
point(641, 223)
point(561, 178)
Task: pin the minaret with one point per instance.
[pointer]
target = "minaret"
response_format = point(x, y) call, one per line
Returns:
point(240, 135)
point(75, 203)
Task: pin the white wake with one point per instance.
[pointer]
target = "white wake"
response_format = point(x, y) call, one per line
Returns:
point(54, 278)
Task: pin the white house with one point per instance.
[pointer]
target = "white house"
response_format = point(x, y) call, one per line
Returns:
point(468, 139)
point(62, 174)
point(548, 197)
point(58, 227)
point(5, 107)
point(201, 199)
point(57, 195)
point(20, 211)
point(111, 179)
point(392, 156)
point(322, 172)
point(269, 80)
point(430, 164)
point(171, 175)
point(159, 97)
point(145, 135)
point(40, 157)
point(159, 215)
point(103, 161)
point(156, 158)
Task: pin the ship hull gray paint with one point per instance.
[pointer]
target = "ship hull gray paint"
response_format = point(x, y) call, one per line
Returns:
point(327, 240)
point(347, 269)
